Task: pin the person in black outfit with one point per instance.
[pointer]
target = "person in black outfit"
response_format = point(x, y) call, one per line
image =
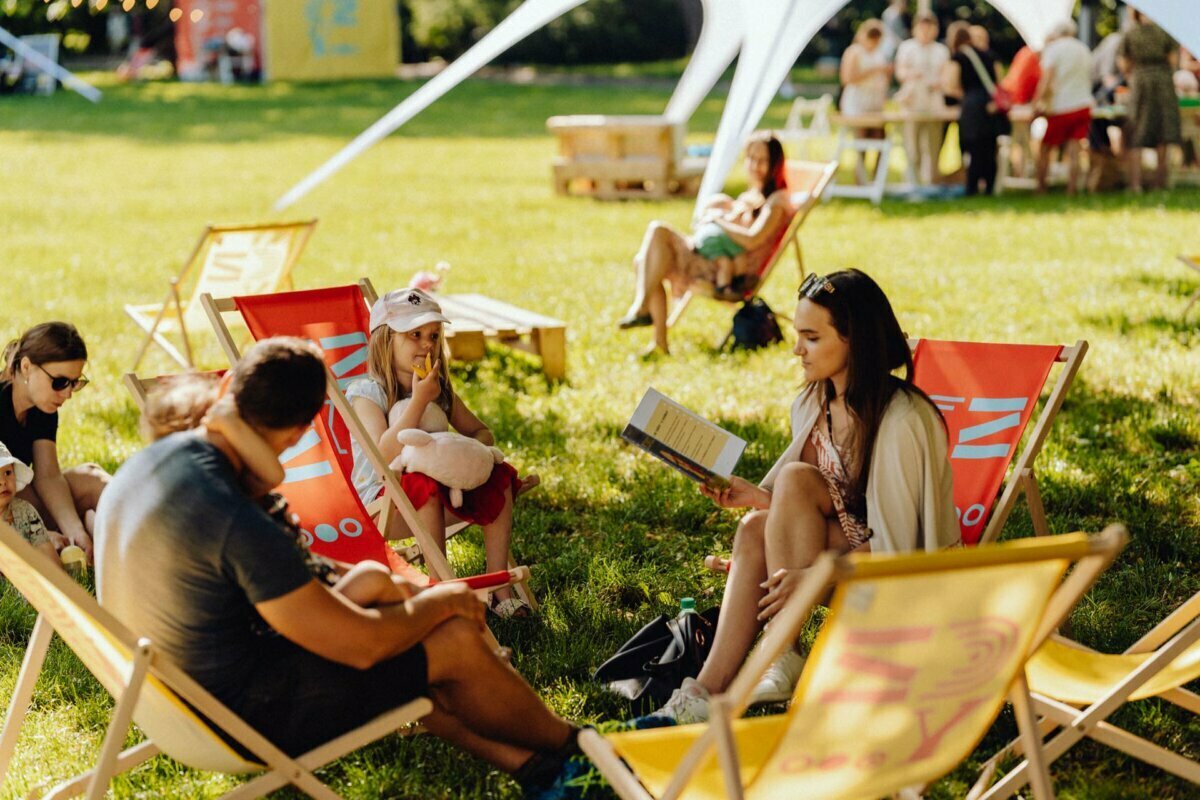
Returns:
point(979, 124)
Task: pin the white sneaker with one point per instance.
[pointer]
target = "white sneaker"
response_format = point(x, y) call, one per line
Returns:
point(688, 704)
point(778, 684)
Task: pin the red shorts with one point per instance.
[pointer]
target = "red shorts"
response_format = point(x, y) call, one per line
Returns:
point(481, 505)
point(1062, 128)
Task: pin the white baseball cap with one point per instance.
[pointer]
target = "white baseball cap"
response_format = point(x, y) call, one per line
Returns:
point(403, 310)
point(24, 473)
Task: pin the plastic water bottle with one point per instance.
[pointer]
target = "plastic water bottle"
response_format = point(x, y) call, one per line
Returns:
point(687, 605)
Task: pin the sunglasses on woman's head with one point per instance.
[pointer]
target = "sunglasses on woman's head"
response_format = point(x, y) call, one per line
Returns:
point(814, 284)
point(60, 382)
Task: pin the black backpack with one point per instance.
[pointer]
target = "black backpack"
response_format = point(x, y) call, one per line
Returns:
point(754, 326)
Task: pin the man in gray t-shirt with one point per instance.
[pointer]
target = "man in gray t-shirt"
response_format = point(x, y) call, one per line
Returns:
point(186, 558)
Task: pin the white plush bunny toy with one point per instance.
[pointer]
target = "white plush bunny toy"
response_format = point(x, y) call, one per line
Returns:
point(457, 462)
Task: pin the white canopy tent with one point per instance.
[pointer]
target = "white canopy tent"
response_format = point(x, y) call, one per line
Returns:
point(769, 35)
point(719, 41)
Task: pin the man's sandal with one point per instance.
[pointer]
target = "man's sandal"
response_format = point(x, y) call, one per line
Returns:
point(511, 608)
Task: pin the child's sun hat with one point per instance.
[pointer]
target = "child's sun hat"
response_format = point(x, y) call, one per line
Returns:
point(24, 473)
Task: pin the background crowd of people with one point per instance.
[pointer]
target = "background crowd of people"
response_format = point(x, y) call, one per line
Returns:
point(1138, 73)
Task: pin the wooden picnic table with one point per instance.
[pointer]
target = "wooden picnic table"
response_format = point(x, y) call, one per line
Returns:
point(475, 318)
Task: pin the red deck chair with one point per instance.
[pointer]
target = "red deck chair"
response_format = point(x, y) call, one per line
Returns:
point(318, 468)
point(987, 393)
point(806, 182)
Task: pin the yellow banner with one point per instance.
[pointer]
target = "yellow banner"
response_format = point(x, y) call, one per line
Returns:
point(325, 39)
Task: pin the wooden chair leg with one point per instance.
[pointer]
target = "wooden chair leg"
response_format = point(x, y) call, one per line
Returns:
point(1033, 497)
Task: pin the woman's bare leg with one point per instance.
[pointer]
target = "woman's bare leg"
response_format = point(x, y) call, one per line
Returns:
point(1135, 169)
point(796, 527)
point(654, 262)
point(738, 626)
point(497, 535)
point(1162, 166)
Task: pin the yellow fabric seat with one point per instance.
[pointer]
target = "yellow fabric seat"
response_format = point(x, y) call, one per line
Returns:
point(1075, 675)
point(912, 665)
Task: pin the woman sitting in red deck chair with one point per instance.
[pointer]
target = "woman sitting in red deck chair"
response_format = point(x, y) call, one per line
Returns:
point(668, 255)
point(866, 471)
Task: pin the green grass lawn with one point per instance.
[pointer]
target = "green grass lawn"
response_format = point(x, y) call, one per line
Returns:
point(98, 204)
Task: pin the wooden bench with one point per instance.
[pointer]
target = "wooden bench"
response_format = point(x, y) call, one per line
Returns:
point(475, 318)
point(617, 157)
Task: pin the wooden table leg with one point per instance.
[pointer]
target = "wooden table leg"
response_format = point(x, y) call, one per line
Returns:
point(467, 345)
point(552, 347)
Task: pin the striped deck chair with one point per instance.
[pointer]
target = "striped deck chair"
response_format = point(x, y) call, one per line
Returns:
point(1079, 689)
point(911, 667)
point(154, 693)
point(319, 467)
point(232, 259)
point(987, 393)
point(807, 181)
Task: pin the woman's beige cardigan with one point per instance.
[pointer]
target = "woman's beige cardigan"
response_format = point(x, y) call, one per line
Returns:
point(910, 491)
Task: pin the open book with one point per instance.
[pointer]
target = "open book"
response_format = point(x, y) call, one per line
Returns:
point(704, 452)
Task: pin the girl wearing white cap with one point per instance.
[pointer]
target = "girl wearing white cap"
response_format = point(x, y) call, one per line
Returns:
point(407, 362)
point(15, 476)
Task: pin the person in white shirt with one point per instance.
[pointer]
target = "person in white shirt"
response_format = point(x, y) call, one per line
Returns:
point(1064, 97)
point(919, 63)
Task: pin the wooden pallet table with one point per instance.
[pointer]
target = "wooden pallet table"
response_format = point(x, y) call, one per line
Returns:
point(475, 318)
point(619, 157)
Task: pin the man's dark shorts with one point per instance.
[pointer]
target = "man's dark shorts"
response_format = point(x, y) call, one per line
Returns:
point(299, 700)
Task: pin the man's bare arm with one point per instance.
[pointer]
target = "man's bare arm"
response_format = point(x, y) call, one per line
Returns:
point(325, 623)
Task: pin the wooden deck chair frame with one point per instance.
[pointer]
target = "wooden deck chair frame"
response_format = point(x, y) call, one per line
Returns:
point(823, 173)
point(1192, 262)
point(1021, 477)
point(151, 690)
point(1176, 635)
point(1091, 558)
point(150, 318)
point(436, 561)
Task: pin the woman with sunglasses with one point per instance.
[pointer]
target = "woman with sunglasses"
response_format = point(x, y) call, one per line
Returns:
point(867, 470)
point(42, 370)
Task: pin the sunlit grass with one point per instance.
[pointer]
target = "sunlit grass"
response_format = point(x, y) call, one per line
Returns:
point(100, 203)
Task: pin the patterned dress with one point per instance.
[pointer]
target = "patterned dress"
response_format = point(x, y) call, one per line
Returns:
point(833, 470)
point(1153, 107)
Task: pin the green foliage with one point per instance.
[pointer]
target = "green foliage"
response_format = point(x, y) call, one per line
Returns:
point(103, 202)
point(597, 31)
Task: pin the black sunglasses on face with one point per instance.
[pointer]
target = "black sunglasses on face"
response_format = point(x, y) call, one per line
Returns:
point(814, 284)
point(60, 382)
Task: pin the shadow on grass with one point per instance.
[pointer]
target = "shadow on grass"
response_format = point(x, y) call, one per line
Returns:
point(276, 111)
point(1180, 199)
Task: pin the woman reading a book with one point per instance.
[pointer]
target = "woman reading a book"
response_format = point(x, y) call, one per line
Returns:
point(867, 470)
point(731, 242)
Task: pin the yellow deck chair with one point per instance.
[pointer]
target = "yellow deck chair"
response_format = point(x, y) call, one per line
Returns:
point(807, 181)
point(232, 259)
point(152, 692)
point(426, 548)
point(910, 669)
point(1078, 689)
point(1193, 262)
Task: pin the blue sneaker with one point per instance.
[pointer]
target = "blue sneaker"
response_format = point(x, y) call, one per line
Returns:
point(577, 780)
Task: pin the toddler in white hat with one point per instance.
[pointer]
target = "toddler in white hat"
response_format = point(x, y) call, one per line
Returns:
point(15, 476)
